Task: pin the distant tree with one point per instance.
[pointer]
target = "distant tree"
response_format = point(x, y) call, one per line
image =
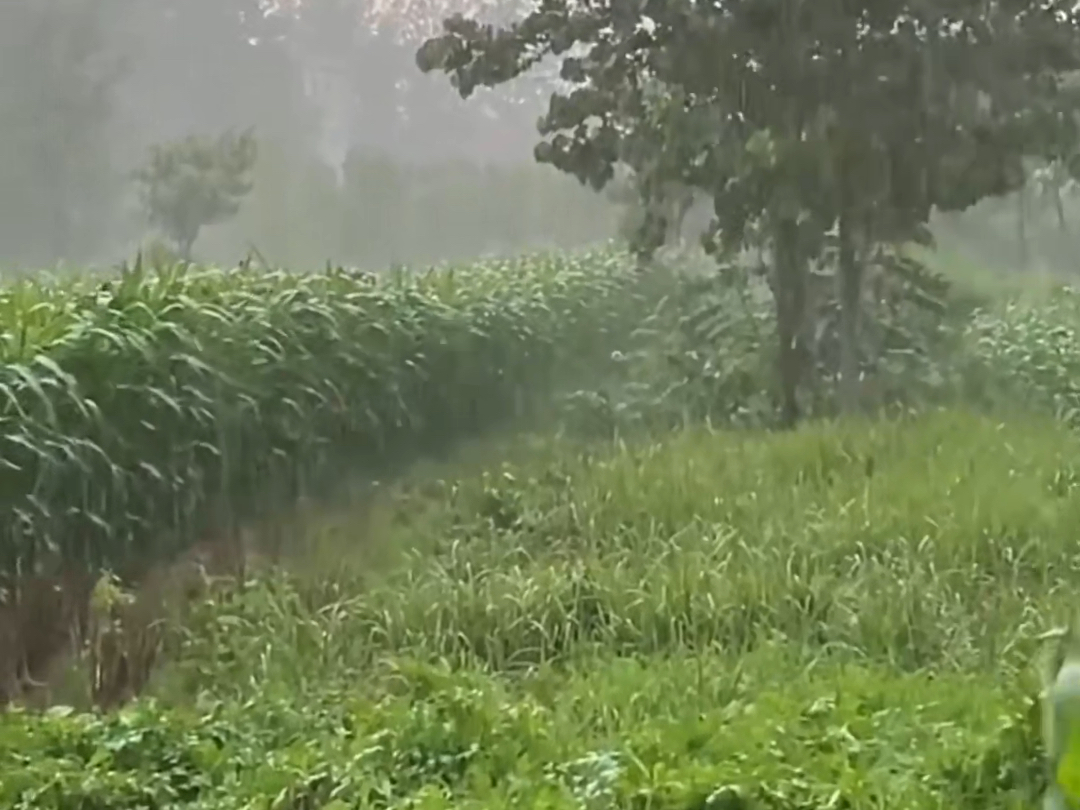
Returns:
point(196, 182)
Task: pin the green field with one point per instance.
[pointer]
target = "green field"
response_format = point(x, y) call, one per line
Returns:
point(633, 596)
point(142, 412)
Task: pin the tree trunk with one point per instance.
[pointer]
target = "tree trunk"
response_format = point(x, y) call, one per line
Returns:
point(789, 294)
point(849, 280)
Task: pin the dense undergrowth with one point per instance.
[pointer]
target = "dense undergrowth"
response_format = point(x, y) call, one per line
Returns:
point(839, 617)
point(652, 602)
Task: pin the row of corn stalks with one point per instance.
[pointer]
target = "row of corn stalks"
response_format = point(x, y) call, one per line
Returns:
point(137, 414)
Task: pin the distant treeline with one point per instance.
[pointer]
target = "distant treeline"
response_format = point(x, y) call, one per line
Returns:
point(377, 211)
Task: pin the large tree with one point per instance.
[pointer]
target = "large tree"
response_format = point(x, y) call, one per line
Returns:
point(928, 105)
point(796, 117)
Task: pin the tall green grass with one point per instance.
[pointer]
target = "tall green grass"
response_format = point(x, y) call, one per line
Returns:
point(843, 616)
point(138, 413)
point(944, 542)
point(1025, 358)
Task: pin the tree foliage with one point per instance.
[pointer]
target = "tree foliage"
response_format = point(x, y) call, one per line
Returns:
point(798, 118)
point(196, 182)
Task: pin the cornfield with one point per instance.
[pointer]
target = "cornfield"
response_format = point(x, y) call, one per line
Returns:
point(139, 413)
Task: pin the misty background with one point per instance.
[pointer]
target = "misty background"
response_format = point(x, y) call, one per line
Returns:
point(362, 160)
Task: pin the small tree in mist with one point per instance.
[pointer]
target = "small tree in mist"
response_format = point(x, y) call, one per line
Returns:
point(195, 182)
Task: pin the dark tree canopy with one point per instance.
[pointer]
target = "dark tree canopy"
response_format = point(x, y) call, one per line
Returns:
point(932, 102)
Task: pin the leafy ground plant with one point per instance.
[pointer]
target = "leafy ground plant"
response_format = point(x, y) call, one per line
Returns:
point(686, 731)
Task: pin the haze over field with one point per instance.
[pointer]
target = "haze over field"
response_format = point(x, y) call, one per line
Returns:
point(362, 158)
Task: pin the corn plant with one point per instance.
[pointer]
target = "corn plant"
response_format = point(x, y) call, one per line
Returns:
point(139, 412)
